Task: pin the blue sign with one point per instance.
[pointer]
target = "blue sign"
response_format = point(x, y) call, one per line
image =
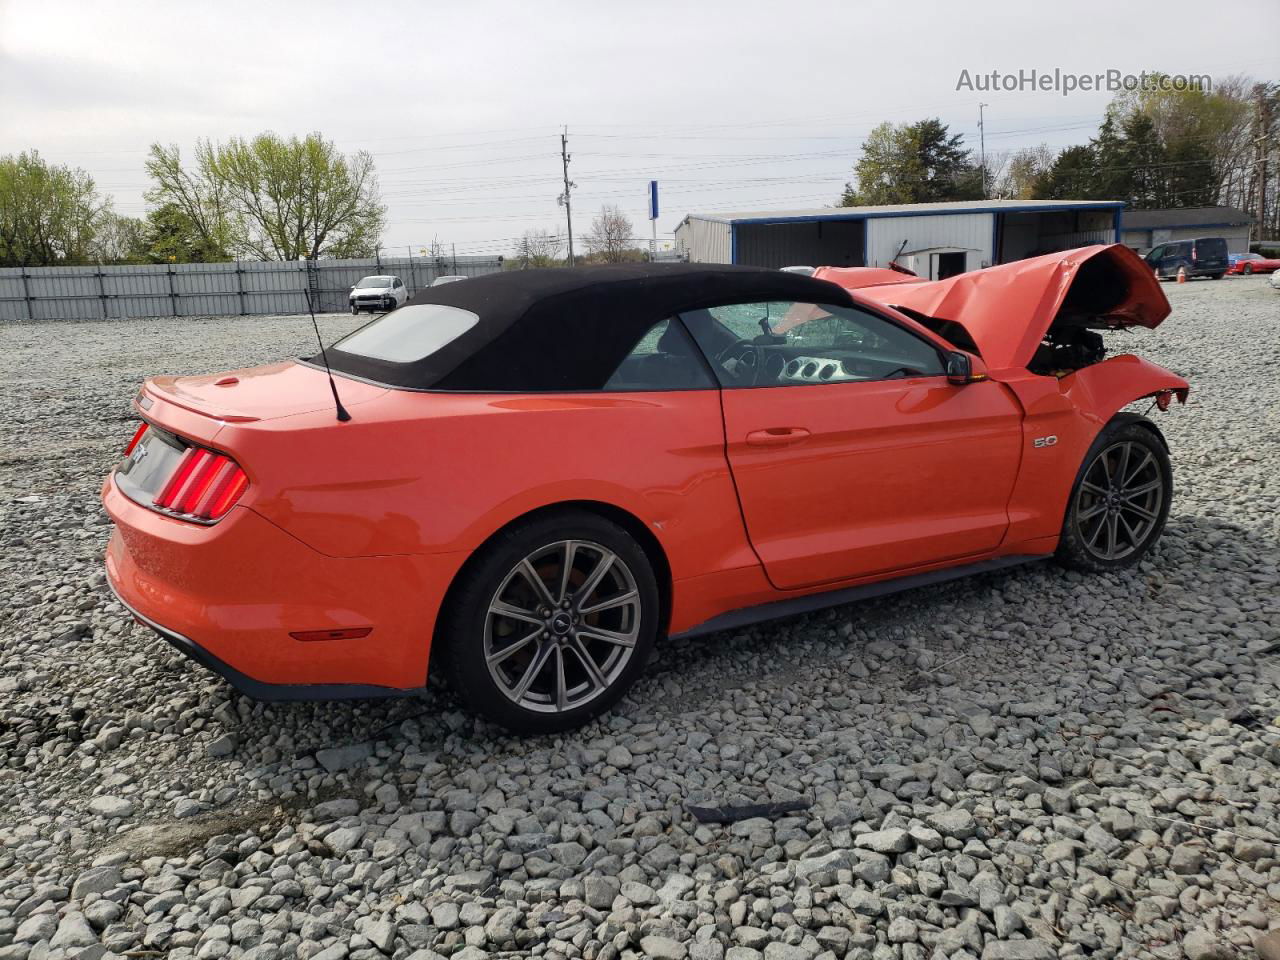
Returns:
point(653, 199)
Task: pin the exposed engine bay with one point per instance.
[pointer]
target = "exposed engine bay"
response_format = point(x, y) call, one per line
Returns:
point(1071, 343)
point(1066, 349)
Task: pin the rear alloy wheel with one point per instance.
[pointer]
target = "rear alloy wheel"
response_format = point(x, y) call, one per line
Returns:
point(1120, 501)
point(555, 621)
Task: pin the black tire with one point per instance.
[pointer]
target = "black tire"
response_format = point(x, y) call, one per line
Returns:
point(470, 631)
point(1100, 515)
point(1247, 269)
point(1218, 276)
point(355, 311)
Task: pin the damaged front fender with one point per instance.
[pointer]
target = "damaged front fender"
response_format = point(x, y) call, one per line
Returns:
point(1103, 389)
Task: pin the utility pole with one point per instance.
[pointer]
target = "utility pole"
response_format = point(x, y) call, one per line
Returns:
point(565, 199)
point(982, 149)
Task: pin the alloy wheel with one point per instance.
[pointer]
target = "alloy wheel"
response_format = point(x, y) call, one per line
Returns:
point(562, 626)
point(1120, 500)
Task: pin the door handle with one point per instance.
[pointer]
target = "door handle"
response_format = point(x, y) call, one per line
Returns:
point(777, 436)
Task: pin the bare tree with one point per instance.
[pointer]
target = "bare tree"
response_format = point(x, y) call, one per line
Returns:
point(198, 195)
point(1021, 171)
point(120, 239)
point(538, 248)
point(610, 235)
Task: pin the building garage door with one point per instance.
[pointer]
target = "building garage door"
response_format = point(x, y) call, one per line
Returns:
point(829, 243)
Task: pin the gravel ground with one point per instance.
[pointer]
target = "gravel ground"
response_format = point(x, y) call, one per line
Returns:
point(1026, 765)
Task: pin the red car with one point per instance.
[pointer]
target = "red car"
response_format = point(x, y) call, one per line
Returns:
point(526, 478)
point(1247, 263)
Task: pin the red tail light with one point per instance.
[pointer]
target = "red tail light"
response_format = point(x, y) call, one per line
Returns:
point(204, 486)
point(142, 428)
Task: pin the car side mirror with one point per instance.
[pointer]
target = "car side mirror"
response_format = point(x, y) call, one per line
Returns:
point(964, 368)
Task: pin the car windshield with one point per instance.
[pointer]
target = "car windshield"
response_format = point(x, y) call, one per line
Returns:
point(373, 282)
point(410, 333)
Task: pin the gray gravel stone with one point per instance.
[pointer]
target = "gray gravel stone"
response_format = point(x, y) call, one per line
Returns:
point(39, 926)
point(663, 948)
point(884, 841)
point(96, 880)
point(73, 931)
point(600, 892)
point(958, 823)
point(335, 759)
point(1187, 858)
point(222, 746)
point(1200, 944)
point(111, 807)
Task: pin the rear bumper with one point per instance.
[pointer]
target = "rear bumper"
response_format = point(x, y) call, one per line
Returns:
point(229, 595)
point(256, 688)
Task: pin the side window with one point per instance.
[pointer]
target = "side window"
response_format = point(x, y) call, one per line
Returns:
point(665, 358)
point(398, 283)
point(793, 344)
point(1156, 253)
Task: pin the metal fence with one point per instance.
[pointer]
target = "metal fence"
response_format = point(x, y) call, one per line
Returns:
point(209, 289)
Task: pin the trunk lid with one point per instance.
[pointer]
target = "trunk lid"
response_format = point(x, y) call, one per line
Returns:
point(260, 393)
point(1008, 309)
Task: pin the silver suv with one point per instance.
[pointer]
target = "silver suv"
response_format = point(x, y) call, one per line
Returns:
point(377, 293)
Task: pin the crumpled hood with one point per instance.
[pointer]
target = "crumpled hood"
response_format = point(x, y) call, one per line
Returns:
point(855, 278)
point(1008, 309)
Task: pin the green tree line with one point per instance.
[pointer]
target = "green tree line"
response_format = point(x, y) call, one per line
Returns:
point(1154, 149)
point(266, 198)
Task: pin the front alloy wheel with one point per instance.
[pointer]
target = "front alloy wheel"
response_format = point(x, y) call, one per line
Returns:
point(551, 622)
point(1121, 499)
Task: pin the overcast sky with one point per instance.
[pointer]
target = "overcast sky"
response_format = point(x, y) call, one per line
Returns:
point(738, 105)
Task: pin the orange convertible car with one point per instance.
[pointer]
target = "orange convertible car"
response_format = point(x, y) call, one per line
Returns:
point(532, 475)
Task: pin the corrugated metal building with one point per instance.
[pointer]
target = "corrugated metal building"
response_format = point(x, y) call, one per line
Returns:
point(208, 289)
point(934, 239)
point(1143, 229)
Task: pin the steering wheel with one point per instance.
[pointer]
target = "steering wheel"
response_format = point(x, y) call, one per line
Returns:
point(741, 361)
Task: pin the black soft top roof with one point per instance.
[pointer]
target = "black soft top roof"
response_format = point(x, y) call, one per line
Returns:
point(569, 328)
